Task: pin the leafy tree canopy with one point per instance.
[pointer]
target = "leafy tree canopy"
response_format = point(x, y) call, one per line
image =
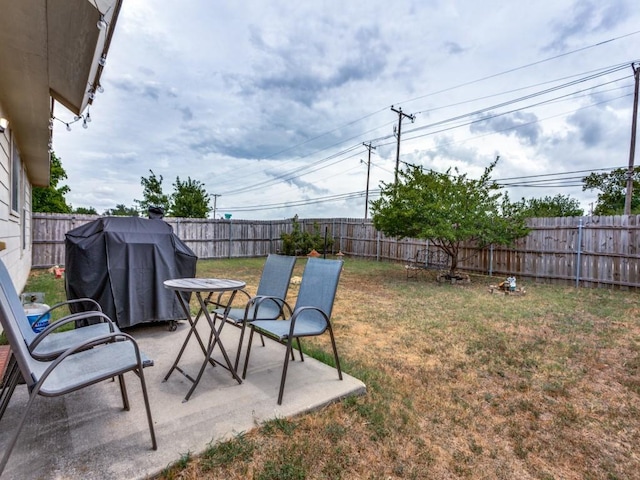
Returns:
point(558, 206)
point(51, 199)
point(152, 194)
point(448, 210)
point(190, 199)
point(122, 211)
point(613, 189)
point(85, 211)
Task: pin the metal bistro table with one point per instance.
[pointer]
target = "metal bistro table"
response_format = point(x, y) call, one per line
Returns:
point(201, 286)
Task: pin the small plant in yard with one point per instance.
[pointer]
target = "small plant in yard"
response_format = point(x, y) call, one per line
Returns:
point(271, 427)
point(460, 383)
point(300, 242)
point(175, 468)
point(238, 449)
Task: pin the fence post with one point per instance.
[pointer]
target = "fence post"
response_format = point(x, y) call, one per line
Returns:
point(578, 253)
point(491, 260)
point(333, 236)
point(378, 247)
point(230, 239)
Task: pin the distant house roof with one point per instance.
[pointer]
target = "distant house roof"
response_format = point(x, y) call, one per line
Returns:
point(49, 49)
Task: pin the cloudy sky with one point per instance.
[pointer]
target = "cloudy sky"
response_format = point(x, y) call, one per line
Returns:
point(268, 104)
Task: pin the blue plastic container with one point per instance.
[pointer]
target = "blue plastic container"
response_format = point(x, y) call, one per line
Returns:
point(34, 311)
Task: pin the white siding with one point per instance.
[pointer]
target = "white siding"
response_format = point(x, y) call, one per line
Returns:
point(15, 226)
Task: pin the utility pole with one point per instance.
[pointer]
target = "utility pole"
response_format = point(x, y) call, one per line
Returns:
point(366, 198)
point(632, 149)
point(401, 115)
point(215, 198)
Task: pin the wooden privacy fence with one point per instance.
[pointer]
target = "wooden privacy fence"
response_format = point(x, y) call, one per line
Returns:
point(584, 251)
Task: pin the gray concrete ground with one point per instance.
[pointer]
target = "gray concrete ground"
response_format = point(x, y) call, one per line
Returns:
point(87, 434)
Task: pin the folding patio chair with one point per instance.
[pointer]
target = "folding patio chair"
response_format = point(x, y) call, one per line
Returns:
point(49, 344)
point(310, 317)
point(270, 299)
point(86, 363)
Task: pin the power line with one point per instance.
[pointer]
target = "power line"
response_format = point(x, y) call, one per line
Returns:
point(501, 182)
point(290, 176)
point(522, 67)
point(296, 173)
point(302, 170)
point(517, 100)
point(491, 117)
point(449, 89)
point(519, 89)
point(556, 174)
point(307, 169)
point(299, 203)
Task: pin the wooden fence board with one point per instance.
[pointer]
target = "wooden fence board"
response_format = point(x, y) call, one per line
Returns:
point(609, 246)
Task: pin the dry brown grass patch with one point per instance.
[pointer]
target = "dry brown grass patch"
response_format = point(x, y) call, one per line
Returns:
point(461, 384)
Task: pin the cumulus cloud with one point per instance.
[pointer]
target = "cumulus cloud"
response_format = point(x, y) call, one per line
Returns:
point(306, 74)
point(589, 127)
point(522, 125)
point(586, 17)
point(453, 48)
point(245, 93)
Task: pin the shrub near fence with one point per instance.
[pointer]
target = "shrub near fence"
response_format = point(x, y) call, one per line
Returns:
point(585, 251)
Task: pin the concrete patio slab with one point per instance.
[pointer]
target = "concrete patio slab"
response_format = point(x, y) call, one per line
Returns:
point(87, 434)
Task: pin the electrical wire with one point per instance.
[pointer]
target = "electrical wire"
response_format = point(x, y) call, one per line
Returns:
point(522, 67)
point(307, 169)
point(300, 171)
point(601, 72)
point(300, 203)
point(449, 89)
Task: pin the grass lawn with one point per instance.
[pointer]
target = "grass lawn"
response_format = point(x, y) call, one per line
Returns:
point(461, 384)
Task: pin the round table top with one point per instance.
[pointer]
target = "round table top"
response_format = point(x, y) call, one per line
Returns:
point(203, 284)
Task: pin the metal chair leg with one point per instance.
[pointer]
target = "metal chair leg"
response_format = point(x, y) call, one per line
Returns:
point(123, 392)
point(284, 369)
point(11, 381)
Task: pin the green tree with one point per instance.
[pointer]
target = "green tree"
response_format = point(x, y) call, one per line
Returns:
point(85, 211)
point(613, 189)
point(122, 211)
point(152, 194)
point(558, 206)
point(51, 199)
point(189, 199)
point(449, 210)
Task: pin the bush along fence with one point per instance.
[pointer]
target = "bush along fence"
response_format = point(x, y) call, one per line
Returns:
point(580, 251)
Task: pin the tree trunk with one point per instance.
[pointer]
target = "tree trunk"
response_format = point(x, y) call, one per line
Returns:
point(454, 264)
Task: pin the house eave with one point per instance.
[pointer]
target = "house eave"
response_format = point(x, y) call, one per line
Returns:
point(49, 49)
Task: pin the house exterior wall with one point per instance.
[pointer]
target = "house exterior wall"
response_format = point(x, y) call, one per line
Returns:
point(15, 211)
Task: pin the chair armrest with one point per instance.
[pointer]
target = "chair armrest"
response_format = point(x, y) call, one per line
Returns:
point(259, 299)
point(97, 306)
point(300, 310)
point(220, 303)
point(68, 319)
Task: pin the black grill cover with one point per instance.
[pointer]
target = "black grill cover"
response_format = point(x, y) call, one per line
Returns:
point(122, 262)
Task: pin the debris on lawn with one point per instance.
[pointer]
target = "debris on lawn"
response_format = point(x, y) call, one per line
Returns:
point(508, 287)
point(57, 270)
point(453, 278)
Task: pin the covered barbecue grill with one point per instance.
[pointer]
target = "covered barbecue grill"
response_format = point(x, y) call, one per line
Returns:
point(122, 262)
